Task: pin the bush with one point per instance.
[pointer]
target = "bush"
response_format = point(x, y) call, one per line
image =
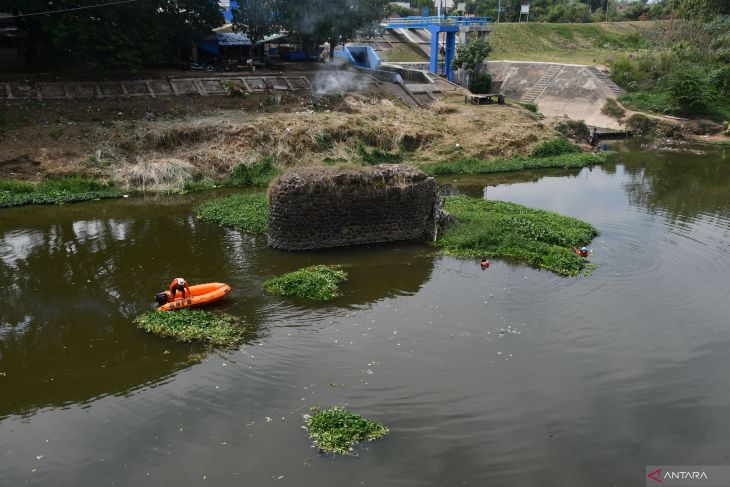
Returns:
point(690, 87)
point(318, 283)
point(720, 79)
point(259, 174)
point(624, 72)
point(555, 147)
point(246, 212)
point(639, 124)
point(613, 109)
point(539, 238)
point(337, 430)
point(576, 130)
point(377, 156)
point(187, 325)
point(481, 84)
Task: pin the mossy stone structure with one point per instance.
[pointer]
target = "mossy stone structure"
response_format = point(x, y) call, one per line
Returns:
point(314, 208)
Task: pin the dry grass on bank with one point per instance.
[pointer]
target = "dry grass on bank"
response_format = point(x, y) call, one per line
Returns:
point(164, 153)
point(168, 152)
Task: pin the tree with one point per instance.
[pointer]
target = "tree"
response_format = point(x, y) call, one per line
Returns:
point(257, 18)
point(113, 36)
point(471, 56)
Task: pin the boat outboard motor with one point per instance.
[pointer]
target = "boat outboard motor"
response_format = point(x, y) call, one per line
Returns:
point(161, 298)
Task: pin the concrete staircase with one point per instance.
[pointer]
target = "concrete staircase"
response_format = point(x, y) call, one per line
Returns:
point(608, 82)
point(542, 83)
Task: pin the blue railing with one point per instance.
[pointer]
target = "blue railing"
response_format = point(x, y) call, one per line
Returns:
point(425, 22)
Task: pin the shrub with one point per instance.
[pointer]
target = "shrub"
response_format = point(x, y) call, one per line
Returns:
point(259, 174)
point(186, 325)
point(529, 105)
point(555, 147)
point(641, 124)
point(247, 212)
point(624, 72)
point(337, 429)
point(613, 109)
point(481, 84)
point(690, 87)
point(318, 283)
point(539, 238)
point(574, 130)
point(720, 79)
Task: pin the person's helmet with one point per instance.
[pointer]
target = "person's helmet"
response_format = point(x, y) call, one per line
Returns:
point(180, 281)
point(584, 249)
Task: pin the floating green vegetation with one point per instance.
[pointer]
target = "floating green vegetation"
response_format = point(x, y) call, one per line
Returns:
point(55, 191)
point(318, 283)
point(477, 166)
point(247, 212)
point(259, 174)
point(499, 229)
point(187, 325)
point(338, 430)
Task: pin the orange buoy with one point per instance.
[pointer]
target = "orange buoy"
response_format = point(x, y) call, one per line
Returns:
point(200, 295)
point(485, 264)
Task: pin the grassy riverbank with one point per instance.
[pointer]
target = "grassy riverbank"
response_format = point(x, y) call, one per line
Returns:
point(55, 192)
point(476, 166)
point(338, 430)
point(499, 229)
point(186, 325)
point(318, 283)
point(247, 212)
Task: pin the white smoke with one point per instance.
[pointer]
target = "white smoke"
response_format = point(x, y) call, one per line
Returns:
point(334, 82)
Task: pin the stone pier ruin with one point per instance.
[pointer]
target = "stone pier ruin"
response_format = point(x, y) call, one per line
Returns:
point(314, 208)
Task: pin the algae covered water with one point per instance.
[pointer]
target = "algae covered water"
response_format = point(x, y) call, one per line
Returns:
point(509, 376)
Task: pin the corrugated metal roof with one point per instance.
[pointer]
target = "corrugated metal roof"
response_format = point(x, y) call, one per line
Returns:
point(232, 39)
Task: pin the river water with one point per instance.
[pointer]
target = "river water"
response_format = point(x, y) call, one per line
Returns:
point(506, 377)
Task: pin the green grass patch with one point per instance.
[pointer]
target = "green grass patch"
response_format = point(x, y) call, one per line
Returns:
point(318, 283)
point(259, 174)
point(246, 212)
point(377, 156)
point(477, 166)
point(539, 238)
point(55, 192)
point(338, 430)
point(188, 325)
point(613, 109)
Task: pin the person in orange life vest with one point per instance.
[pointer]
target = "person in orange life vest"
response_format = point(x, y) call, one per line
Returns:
point(179, 284)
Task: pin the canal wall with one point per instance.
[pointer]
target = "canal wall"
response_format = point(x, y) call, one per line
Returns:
point(312, 208)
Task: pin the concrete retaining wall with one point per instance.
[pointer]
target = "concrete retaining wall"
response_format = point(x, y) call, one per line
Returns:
point(314, 208)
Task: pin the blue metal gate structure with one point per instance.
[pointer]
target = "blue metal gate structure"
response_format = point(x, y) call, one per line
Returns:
point(435, 25)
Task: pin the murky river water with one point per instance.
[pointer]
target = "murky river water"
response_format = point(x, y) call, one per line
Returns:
point(508, 377)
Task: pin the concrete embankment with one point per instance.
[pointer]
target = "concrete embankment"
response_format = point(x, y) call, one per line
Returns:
point(576, 91)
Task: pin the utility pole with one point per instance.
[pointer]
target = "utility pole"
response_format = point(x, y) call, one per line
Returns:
point(499, 9)
point(607, 4)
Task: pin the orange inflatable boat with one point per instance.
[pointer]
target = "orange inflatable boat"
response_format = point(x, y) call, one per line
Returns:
point(200, 295)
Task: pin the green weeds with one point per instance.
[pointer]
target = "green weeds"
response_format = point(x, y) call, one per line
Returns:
point(499, 229)
point(338, 430)
point(259, 174)
point(477, 166)
point(247, 212)
point(555, 147)
point(55, 192)
point(187, 325)
point(318, 283)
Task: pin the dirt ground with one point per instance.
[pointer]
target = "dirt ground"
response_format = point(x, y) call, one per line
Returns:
point(171, 140)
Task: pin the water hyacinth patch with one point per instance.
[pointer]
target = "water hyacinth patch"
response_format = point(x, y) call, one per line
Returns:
point(187, 325)
point(499, 229)
point(318, 283)
point(575, 160)
point(247, 212)
point(55, 192)
point(338, 430)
